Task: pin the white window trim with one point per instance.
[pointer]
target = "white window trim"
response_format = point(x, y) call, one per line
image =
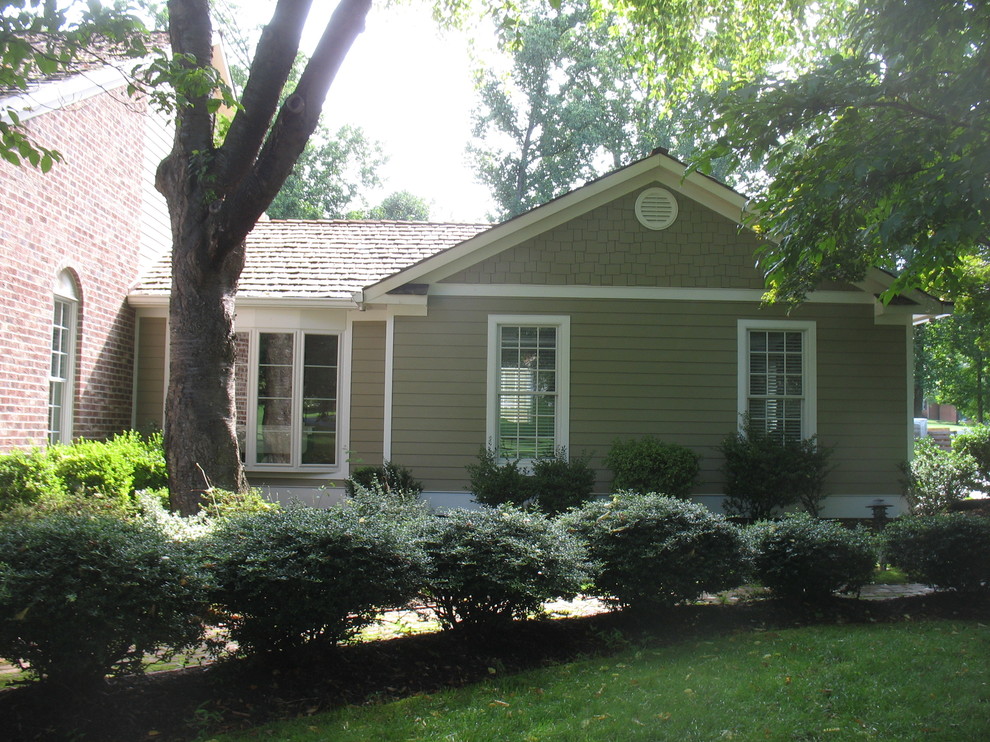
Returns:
point(563, 406)
point(251, 423)
point(809, 370)
point(65, 292)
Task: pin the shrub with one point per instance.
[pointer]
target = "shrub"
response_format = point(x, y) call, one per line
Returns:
point(110, 471)
point(765, 473)
point(560, 483)
point(653, 550)
point(496, 484)
point(85, 596)
point(27, 477)
point(495, 564)
point(803, 558)
point(948, 552)
point(388, 478)
point(935, 478)
point(288, 576)
point(976, 443)
point(650, 465)
point(218, 503)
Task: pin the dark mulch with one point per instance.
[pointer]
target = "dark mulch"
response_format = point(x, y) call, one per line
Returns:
point(185, 704)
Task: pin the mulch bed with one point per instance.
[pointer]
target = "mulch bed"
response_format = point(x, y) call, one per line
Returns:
point(238, 694)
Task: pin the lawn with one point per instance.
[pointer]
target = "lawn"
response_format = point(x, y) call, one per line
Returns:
point(926, 680)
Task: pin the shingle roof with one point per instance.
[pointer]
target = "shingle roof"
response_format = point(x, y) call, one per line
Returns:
point(325, 259)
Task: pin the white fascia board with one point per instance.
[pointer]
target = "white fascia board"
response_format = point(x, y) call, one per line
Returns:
point(56, 94)
point(655, 169)
point(654, 293)
point(284, 302)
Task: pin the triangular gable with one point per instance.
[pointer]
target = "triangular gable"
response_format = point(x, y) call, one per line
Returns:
point(658, 168)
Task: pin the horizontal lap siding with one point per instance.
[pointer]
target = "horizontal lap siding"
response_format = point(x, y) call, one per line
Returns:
point(367, 393)
point(149, 397)
point(648, 368)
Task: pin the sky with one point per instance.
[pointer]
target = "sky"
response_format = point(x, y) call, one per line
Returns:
point(410, 87)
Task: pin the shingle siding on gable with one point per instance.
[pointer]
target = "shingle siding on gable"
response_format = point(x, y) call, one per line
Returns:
point(609, 247)
point(83, 215)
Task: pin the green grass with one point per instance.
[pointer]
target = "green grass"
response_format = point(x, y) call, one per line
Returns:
point(910, 681)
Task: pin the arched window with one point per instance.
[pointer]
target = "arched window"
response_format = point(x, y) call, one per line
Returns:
point(63, 359)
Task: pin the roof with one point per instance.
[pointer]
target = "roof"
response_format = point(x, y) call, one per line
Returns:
point(324, 259)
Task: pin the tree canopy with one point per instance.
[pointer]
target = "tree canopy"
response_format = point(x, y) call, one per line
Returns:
point(39, 39)
point(878, 155)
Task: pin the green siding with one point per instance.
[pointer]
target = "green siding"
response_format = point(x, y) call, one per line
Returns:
point(640, 367)
point(149, 396)
point(367, 393)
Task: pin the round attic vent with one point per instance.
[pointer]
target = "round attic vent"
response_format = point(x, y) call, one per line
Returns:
point(656, 208)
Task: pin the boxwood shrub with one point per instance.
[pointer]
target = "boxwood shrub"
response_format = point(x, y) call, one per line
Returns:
point(948, 552)
point(284, 577)
point(110, 471)
point(388, 478)
point(807, 559)
point(651, 465)
point(496, 564)
point(653, 550)
point(85, 596)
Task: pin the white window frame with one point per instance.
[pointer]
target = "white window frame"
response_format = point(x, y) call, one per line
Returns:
point(809, 370)
point(562, 323)
point(251, 423)
point(67, 295)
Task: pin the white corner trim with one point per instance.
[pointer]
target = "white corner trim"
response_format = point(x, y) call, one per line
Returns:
point(389, 375)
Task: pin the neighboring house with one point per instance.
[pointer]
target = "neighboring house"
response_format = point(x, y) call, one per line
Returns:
point(72, 242)
point(628, 307)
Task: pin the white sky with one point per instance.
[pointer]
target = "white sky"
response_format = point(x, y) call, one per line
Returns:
point(410, 88)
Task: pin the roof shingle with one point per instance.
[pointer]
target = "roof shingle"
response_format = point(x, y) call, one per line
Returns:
point(325, 259)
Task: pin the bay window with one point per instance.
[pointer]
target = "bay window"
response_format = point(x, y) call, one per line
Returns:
point(290, 393)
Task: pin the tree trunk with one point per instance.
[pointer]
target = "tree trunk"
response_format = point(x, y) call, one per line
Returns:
point(215, 196)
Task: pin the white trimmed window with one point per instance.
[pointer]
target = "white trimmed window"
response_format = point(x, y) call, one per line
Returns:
point(290, 383)
point(63, 360)
point(528, 385)
point(777, 377)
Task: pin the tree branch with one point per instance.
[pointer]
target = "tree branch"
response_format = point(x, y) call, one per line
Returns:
point(272, 64)
point(296, 121)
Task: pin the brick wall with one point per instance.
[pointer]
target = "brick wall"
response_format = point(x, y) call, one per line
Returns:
point(84, 216)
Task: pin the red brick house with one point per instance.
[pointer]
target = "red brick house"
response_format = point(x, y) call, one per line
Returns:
point(72, 242)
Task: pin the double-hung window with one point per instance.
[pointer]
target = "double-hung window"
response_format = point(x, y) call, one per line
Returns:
point(63, 357)
point(777, 379)
point(528, 384)
point(290, 383)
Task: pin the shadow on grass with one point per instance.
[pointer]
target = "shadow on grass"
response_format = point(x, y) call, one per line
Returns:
point(240, 693)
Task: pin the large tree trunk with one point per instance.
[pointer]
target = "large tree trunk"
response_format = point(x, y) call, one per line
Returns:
point(200, 433)
point(215, 196)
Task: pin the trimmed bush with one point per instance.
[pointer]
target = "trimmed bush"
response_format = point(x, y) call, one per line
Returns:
point(495, 484)
point(807, 559)
point(496, 564)
point(560, 483)
point(935, 478)
point(26, 477)
point(650, 465)
point(948, 552)
point(107, 471)
point(765, 473)
point(84, 596)
point(388, 478)
point(654, 551)
point(975, 442)
point(288, 576)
